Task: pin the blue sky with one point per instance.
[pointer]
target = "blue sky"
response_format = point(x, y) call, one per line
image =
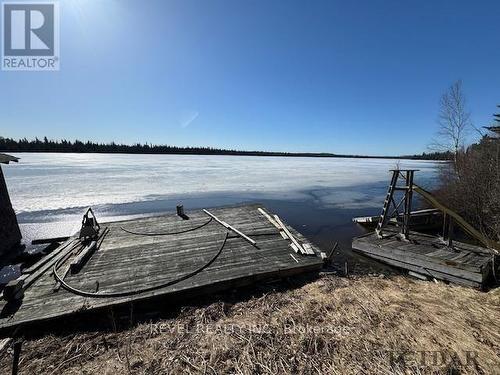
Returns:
point(358, 77)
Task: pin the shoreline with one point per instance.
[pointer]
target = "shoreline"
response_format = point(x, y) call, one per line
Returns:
point(367, 319)
point(238, 153)
point(383, 324)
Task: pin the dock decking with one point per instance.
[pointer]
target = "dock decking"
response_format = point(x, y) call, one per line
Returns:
point(136, 255)
point(427, 255)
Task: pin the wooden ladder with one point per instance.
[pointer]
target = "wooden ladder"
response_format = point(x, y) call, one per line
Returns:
point(388, 199)
point(406, 200)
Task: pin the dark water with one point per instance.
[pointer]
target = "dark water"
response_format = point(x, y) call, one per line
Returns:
point(323, 224)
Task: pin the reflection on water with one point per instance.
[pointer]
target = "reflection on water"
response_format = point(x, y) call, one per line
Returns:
point(318, 196)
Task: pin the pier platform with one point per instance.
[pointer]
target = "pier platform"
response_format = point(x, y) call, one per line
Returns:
point(165, 257)
point(429, 256)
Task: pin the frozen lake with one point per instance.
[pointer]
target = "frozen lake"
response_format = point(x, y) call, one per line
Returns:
point(318, 196)
point(52, 182)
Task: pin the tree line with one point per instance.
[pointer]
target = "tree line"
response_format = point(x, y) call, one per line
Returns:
point(77, 146)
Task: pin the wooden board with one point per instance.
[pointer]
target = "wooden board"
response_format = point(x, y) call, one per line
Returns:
point(464, 264)
point(128, 261)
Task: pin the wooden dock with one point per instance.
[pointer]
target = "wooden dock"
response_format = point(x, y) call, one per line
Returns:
point(426, 219)
point(429, 256)
point(159, 257)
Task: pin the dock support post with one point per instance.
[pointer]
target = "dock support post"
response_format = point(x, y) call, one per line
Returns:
point(450, 232)
point(408, 204)
point(448, 229)
point(445, 222)
point(17, 354)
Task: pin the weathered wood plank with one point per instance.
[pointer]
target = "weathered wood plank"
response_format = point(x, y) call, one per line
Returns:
point(77, 263)
point(48, 257)
point(127, 261)
point(418, 260)
point(428, 255)
point(427, 272)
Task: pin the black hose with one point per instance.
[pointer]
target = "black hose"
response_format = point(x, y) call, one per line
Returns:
point(84, 293)
point(167, 233)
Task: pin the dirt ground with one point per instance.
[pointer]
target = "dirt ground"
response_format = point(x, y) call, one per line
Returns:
point(363, 324)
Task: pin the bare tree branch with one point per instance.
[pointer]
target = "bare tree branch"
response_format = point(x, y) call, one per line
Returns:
point(454, 121)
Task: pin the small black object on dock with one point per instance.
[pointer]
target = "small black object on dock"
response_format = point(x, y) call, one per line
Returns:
point(181, 213)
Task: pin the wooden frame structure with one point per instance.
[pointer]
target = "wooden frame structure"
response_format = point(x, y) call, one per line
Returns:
point(427, 255)
point(390, 202)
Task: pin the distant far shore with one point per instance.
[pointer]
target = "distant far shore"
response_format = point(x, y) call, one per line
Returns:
point(240, 153)
point(63, 146)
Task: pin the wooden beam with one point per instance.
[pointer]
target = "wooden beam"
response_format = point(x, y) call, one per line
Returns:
point(268, 217)
point(13, 287)
point(308, 248)
point(82, 257)
point(42, 241)
point(290, 235)
point(329, 256)
point(418, 275)
point(25, 280)
point(230, 227)
point(490, 244)
point(77, 263)
point(67, 268)
point(48, 257)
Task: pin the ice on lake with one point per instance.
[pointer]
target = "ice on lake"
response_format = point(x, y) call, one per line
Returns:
point(43, 181)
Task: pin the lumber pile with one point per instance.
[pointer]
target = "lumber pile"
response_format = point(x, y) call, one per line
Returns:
point(304, 249)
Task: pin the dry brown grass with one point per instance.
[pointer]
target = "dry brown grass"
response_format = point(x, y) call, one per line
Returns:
point(362, 320)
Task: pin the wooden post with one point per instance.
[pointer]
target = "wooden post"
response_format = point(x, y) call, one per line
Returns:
point(445, 225)
point(408, 204)
point(290, 235)
point(450, 232)
point(230, 227)
point(10, 235)
point(332, 252)
point(17, 354)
